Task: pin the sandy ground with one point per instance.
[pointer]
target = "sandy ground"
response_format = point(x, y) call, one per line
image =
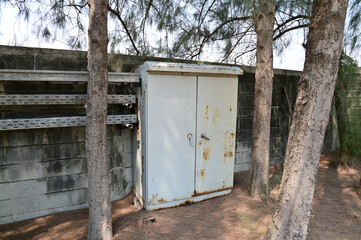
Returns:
point(336, 214)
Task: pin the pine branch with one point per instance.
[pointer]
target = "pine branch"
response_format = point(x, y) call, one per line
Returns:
point(116, 14)
point(207, 37)
point(235, 45)
point(78, 7)
point(289, 30)
point(279, 26)
point(146, 15)
point(208, 10)
point(243, 53)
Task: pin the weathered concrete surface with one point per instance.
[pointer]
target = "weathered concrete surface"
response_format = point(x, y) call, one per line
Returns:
point(45, 171)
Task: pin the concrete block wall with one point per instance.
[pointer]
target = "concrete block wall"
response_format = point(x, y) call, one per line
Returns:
point(280, 117)
point(43, 171)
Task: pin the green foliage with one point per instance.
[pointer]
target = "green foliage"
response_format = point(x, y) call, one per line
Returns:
point(227, 27)
point(351, 143)
point(354, 23)
point(348, 114)
point(53, 20)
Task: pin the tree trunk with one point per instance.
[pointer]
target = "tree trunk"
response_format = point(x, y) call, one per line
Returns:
point(264, 21)
point(310, 118)
point(100, 221)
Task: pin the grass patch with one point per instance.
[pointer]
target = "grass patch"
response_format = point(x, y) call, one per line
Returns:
point(247, 221)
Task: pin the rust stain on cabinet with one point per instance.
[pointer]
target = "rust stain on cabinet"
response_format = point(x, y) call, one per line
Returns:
point(228, 154)
point(229, 141)
point(155, 200)
point(203, 172)
point(206, 114)
point(196, 193)
point(215, 115)
point(206, 151)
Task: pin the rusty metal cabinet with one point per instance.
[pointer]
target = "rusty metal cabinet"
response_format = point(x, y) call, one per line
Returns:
point(185, 142)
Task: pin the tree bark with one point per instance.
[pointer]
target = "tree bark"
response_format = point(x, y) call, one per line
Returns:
point(100, 221)
point(315, 90)
point(264, 21)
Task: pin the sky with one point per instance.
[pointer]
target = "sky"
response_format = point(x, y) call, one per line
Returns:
point(16, 32)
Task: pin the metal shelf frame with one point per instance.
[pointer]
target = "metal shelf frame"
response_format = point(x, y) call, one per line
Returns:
point(7, 75)
point(54, 122)
point(59, 99)
point(11, 75)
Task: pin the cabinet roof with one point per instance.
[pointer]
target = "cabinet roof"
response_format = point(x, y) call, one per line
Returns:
point(190, 69)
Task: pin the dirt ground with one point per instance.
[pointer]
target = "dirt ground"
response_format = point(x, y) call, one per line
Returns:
point(336, 214)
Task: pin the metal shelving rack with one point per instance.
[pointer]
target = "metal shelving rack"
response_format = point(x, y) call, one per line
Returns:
point(61, 77)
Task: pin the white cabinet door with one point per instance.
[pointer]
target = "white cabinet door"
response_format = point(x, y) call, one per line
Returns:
point(216, 133)
point(171, 138)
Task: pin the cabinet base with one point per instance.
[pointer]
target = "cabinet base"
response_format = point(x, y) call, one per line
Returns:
point(186, 201)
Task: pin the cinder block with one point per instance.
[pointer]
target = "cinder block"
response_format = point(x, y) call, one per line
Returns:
point(128, 175)
point(245, 112)
point(127, 160)
point(246, 100)
point(59, 135)
point(31, 204)
point(78, 134)
point(4, 191)
point(5, 220)
point(127, 136)
point(5, 208)
point(27, 188)
point(68, 208)
point(4, 174)
point(246, 88)
point(243, 146)
point(117, 176)
point(244, 135)
point(242, 167)
point(109, 146)
point(22, 217)
point(120, 192)
point(62, 199)
point(65, 167)
point(3, 140)
point(82, 150)
point(24, 137)
point(242, 157)
point(27, 171)
point(118, 151)
point(62, 151)
point(246, 123)
point(118, 183)
point(24, 154)
point(68, 182)
point(2, 157)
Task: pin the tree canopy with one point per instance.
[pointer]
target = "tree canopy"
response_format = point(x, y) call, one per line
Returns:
point(216, 30)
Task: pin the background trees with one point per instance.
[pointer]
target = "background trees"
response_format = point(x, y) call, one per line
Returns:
point(263, 20)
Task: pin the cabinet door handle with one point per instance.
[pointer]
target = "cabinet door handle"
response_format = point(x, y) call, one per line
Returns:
point(190, 139)
point(205, 137)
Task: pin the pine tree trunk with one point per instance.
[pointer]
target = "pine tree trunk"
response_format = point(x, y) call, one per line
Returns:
point(100, 221)
point(264, 22)
point(310, 118)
